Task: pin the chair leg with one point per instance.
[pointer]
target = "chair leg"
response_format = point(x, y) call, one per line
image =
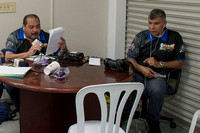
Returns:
point(171, 120)
point(144, 107)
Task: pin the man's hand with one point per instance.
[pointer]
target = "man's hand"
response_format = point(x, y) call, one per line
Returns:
point(152, 62)
point(34, 48)
point(62, 44)
point(147, 72)
point(1, 54)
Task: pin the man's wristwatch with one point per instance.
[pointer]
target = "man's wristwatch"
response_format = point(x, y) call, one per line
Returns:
point(162, 64)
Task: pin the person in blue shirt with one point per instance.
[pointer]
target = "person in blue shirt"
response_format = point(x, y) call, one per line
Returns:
point(19, 45)
point(19, 42)
point(153, 52)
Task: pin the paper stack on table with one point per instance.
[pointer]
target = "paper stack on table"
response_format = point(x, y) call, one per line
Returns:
point(9, 71)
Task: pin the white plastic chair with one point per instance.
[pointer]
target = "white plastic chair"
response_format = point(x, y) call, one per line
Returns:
point(196, 116)
point(116, 108)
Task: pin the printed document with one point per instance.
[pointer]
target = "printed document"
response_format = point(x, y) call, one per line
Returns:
point(54, 39)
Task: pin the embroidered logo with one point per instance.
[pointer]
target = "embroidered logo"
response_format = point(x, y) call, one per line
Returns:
point(181, 50)
point(44, 45)
point(170, 47)
point(133, 46)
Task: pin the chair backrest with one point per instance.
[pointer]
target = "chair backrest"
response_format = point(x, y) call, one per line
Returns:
point(196, 116)
point(117, 103)
point(175, 75)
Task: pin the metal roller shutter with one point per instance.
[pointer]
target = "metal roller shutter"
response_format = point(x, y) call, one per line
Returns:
point(184, 17)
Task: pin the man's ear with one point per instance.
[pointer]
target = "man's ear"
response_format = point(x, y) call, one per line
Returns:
point(165, 24)
point(23, 26)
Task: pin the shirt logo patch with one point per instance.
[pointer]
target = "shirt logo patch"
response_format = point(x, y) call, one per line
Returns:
point(44, 45)
point(181, 50)
point(169, 48)
point(133, 46)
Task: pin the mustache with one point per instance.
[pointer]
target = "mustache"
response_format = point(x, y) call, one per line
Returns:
point(35, 33)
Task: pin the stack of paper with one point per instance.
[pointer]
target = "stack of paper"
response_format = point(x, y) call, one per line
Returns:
point(54, 39)
point(8, 71)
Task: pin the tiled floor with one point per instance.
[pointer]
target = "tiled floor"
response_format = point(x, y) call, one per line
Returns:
point(138, 126)
point(10, 126)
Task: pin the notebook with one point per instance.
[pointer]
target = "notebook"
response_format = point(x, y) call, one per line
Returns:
point(9, 71)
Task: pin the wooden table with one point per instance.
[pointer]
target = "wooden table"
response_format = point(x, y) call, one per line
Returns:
point(47, 105)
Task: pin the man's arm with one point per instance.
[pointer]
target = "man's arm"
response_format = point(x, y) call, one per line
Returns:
point(175, 64)
point(146, 71)
point(32, 51)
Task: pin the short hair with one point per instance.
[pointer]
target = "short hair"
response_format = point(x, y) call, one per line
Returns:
point(30, 16)
point(155, 13)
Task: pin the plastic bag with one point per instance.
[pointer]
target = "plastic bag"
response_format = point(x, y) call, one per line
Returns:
point(61, 73)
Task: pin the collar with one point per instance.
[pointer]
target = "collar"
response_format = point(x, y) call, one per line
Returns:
point(163, 37)
point(22, 36)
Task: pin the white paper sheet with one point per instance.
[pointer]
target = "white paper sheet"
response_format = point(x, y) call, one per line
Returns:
point(54, 39)
point(94, 61)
